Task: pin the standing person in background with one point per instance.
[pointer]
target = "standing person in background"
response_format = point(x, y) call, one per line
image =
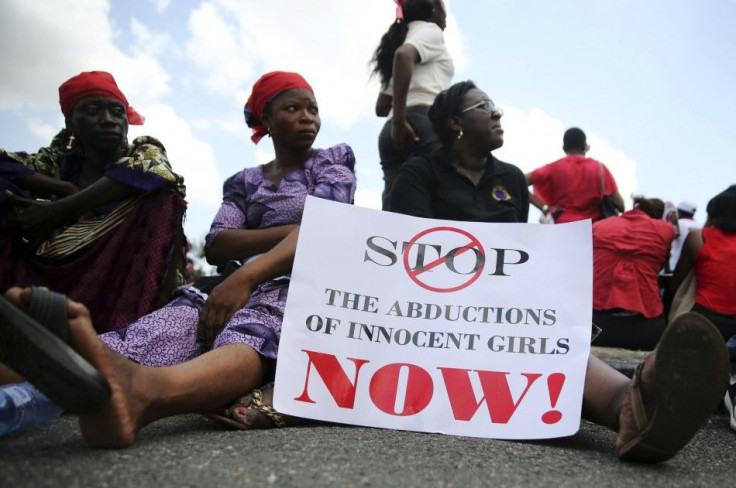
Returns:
point(685, 223)
point(570, 188)
point(414, 66)
point(628, 252)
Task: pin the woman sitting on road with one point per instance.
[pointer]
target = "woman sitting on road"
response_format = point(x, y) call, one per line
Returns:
point(675, 389)
point(203, 350)
point(93, 216)
point(628, 252)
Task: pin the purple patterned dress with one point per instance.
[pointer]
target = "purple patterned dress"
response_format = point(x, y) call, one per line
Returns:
point(168, 336)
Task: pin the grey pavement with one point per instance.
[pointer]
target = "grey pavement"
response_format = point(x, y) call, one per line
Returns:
point(192, 451)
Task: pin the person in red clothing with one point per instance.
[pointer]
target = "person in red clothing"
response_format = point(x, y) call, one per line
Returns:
point(628, 252)
point(710, 254)
point(570, 188)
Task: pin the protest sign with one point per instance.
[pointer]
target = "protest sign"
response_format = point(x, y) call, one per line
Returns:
point(464, 328)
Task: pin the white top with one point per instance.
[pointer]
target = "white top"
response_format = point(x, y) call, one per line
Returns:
point(433, 73)
point(686, 225)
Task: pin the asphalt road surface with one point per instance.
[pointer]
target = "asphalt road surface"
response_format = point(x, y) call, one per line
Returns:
point(191, 450)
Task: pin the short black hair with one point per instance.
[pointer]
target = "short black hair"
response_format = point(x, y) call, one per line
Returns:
point(722, 210)
point(446, 105)
point(574, 139)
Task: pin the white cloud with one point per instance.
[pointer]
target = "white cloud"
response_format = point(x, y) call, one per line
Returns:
point(148, 42)
point(215, 48)
point(455, 40)
point(329, 42)
point(44, 44)
point(189, 157)
point(42, 130)
point(368, 198)
point(160, 5)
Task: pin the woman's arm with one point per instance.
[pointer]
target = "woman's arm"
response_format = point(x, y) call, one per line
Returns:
point(686, 263)
point(233, 293)
point(383, 104)
point(39, 218)
point(538, 202)
point(42, 184)
point(241, 243)
point(404, 58)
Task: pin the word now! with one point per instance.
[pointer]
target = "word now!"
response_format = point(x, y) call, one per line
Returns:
point(384, 384)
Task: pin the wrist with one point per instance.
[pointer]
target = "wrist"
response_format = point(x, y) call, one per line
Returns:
point(545, 209)
point(244, 277)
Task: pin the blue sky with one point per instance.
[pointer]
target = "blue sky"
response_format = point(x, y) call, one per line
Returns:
point(651, 82)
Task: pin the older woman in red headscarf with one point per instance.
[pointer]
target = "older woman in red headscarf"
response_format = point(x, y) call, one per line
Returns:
point(93, 216)
point(218, 340)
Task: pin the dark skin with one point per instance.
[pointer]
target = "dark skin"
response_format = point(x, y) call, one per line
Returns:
point(605, 388)
point(690, 249)
point(100, 125)
point(405, 57)
point(482, 133)
point(293, 122)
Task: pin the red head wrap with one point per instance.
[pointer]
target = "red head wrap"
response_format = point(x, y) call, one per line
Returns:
point(266, 89)
point(94, 84)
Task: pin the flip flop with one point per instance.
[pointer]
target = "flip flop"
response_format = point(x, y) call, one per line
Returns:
point(691, 370)
point(44, 359)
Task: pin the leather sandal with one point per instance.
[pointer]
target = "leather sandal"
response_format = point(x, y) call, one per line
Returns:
point(674, 391)
point(34, 344)
point(265, 416)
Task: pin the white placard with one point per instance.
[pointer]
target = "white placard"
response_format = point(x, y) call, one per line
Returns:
point(464, 328)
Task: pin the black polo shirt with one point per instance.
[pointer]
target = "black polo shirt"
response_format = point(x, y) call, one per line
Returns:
point(429, 186)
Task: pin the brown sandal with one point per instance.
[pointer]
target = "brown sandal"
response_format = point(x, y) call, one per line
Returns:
point(669, 403)
point(264, 415)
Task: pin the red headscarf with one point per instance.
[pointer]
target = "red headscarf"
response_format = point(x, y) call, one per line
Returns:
point(94, 84)
point(266, 89)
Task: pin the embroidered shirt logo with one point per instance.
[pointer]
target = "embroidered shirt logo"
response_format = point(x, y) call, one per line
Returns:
point(500, 194)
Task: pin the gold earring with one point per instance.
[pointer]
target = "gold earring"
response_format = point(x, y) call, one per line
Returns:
point(70, 143)
point(460, 134)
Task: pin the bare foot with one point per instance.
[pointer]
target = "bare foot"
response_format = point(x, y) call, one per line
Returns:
point(118, 422)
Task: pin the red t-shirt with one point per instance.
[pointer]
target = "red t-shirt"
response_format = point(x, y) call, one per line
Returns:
point(628, 252)
point(715, 271)
point(573, 183)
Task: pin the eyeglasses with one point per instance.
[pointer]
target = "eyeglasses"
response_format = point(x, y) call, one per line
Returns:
point(486, 105)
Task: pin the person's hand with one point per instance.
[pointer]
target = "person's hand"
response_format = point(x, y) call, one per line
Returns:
point(400, 131)
point(34, 219)
point(554, 210)
point(225, 299)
